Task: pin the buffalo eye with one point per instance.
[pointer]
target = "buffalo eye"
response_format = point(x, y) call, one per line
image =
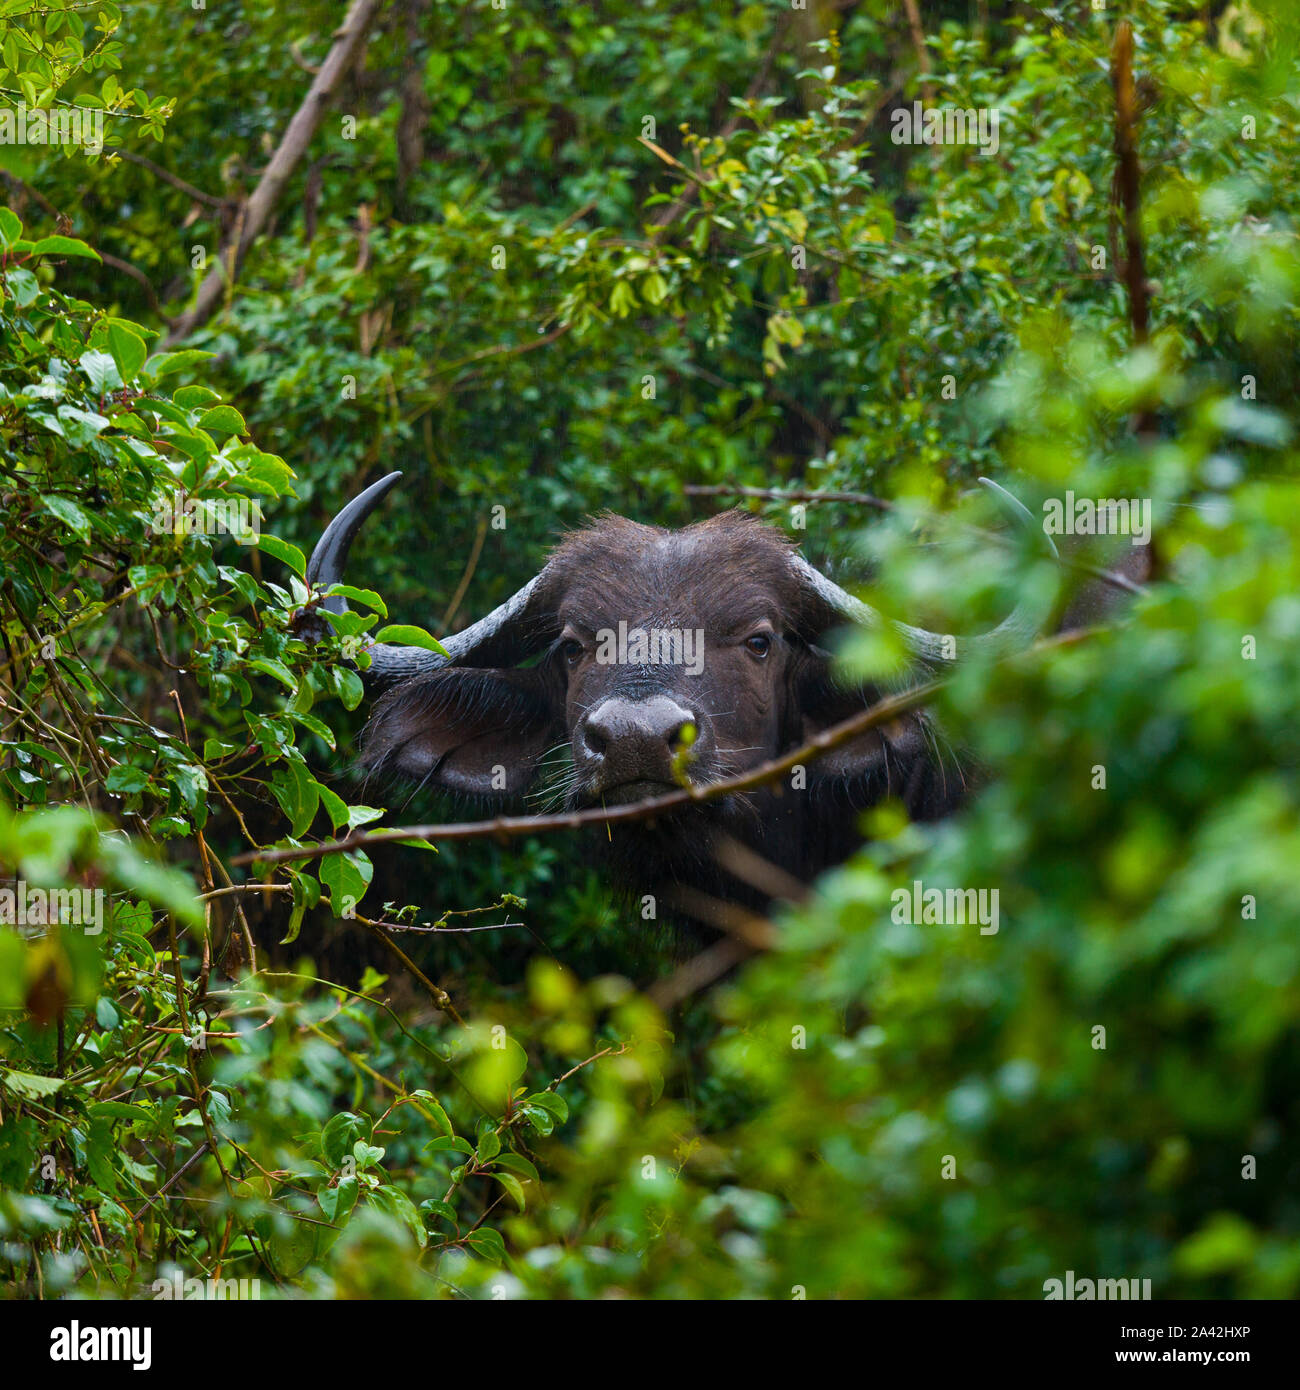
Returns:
point(571, 651)
point(759, 644)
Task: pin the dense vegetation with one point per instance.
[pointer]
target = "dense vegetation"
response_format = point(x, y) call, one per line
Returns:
point(549, 260)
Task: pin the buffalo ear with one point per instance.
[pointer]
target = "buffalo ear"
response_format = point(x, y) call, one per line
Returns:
point(822, 700)
point(478, 732)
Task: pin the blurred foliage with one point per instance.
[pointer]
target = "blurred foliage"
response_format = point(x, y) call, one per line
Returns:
point(556, 259)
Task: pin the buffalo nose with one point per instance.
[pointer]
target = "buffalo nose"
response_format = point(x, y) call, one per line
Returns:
point(633, 740)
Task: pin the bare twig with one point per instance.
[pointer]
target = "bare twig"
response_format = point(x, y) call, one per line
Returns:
point(1128, 177)
point(511, 827)
point(471, 565)
point(34, 194)
point(435, 992)
point(179, 1173)
point(166, 175)
point(918, 42)
point(347, 43)
point(699, 972)
point(139, 277)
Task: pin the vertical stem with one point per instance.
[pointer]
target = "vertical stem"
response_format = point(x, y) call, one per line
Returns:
point(1128, 181)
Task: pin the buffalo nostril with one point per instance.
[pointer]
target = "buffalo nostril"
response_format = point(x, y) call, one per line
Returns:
point(682, 735)
point(596, 742)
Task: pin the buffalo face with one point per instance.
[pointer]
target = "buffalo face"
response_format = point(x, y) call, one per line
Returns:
point(641, 659)
point(666, 657)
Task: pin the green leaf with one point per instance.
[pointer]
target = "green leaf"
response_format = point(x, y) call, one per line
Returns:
point(317, 727)
point(64, 246)
point(127, 779)
point(81, 427)
point(340, 1133)
point(487, 1242)
point(117, 1110)
point(23, 285)
point(438, 1116)
point(335, 807)
point(29, 1085)
point(513, 1186)
point(349, 686)
point(11, 228)
point(101, 371)
point(365, 596)
point(403, 634)
point(224, 419)
point(296, 914)
point(282, 550)
point(347, 877)
point(69, 513)
point(278, 669)
point(516, 1163)
point(448, 1144)
point(551, 1101)
point(337, 1202)
point(306, 894)
point(435, 1206)
point(166, 363)
point(159, 884)
point(397, 1204)
point(541, 1120)
point(193, 397)
point(298, 793)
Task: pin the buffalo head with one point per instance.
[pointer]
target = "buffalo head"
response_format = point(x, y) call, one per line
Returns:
point(639, 657)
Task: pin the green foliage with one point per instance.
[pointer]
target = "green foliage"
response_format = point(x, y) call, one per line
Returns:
point(527, 307)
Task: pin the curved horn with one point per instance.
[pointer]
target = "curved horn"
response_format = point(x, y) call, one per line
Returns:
point(495, 639)
point(331, 554)
point(1021, 625)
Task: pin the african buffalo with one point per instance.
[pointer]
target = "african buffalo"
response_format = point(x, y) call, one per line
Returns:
point(638, 655)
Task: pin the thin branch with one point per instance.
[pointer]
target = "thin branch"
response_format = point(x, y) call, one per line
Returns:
point(35, 195)
point(139, 277)
point(918, 42)
point(347, 43)
point(470, 567)
point(513, 827)
point(167, 176)
point(699, 972)
point(435, 992)
point(1128, 176)
point(509, 827)
point(179, 1173)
